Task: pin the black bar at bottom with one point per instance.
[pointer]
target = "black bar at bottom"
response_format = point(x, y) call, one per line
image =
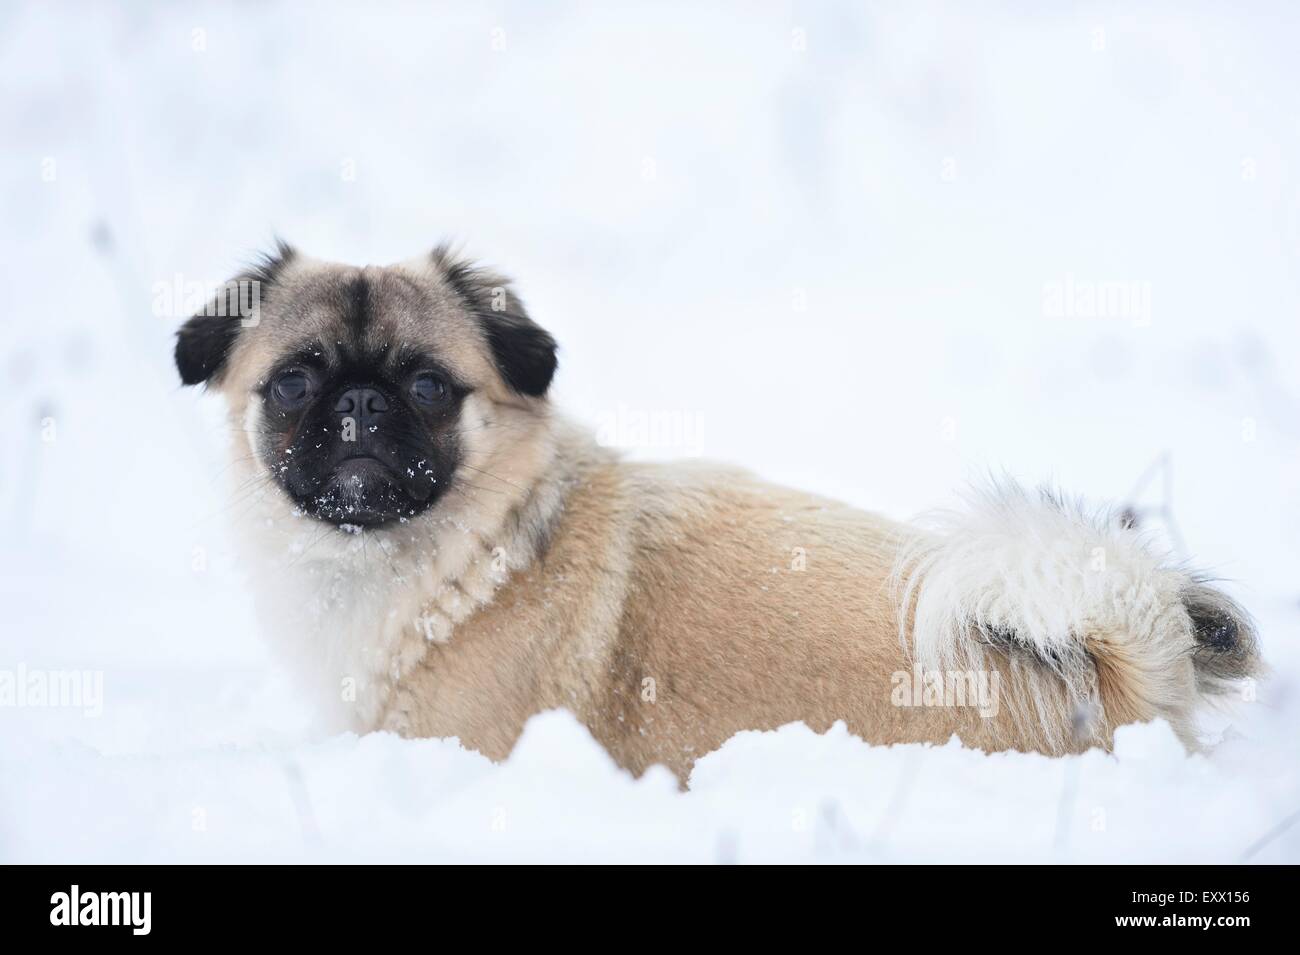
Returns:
point(337, 903)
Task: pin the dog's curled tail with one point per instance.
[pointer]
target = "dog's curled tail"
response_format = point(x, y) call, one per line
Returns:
point(1092, 629)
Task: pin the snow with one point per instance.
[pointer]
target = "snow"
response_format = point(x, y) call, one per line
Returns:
point(873, 233)
point(763, 797)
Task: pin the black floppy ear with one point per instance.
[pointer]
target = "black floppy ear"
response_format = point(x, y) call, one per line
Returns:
point(204, 342)
point(202, 345)
point(524, 352)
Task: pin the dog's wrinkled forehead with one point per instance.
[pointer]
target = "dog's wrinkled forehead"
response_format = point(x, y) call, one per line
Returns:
point(362, 316)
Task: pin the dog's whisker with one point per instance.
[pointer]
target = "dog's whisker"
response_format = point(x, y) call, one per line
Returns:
point(493, 476)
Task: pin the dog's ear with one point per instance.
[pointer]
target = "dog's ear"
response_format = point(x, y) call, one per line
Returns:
point(524, 352)
point(204, 342)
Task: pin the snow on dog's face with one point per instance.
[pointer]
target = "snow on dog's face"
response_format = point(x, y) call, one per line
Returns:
point(357, 387)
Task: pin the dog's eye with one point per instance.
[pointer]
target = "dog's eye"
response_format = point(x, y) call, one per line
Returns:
point(428, 388)
point(291, 389)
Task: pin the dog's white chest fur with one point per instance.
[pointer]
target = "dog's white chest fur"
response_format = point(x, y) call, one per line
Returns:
point(355, 618)
point(353, 612)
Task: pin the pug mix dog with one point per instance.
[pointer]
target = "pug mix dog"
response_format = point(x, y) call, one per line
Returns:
point(437, 552)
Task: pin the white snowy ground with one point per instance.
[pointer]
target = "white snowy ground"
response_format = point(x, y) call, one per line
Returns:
point(824, 237)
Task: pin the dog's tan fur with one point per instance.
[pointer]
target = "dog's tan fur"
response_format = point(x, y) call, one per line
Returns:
point(685, 575)
point(667, 606)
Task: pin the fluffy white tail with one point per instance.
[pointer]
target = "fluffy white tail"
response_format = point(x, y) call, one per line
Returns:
point(1092, 628)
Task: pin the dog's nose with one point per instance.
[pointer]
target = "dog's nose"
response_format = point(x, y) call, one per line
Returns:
point(362, 403)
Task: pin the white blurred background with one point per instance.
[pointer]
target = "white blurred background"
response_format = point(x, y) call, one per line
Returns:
point(829, 240)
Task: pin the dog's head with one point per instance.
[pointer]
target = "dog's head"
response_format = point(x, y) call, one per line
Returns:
point(352, 383)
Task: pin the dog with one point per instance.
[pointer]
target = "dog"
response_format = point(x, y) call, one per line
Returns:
point(436, 551)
